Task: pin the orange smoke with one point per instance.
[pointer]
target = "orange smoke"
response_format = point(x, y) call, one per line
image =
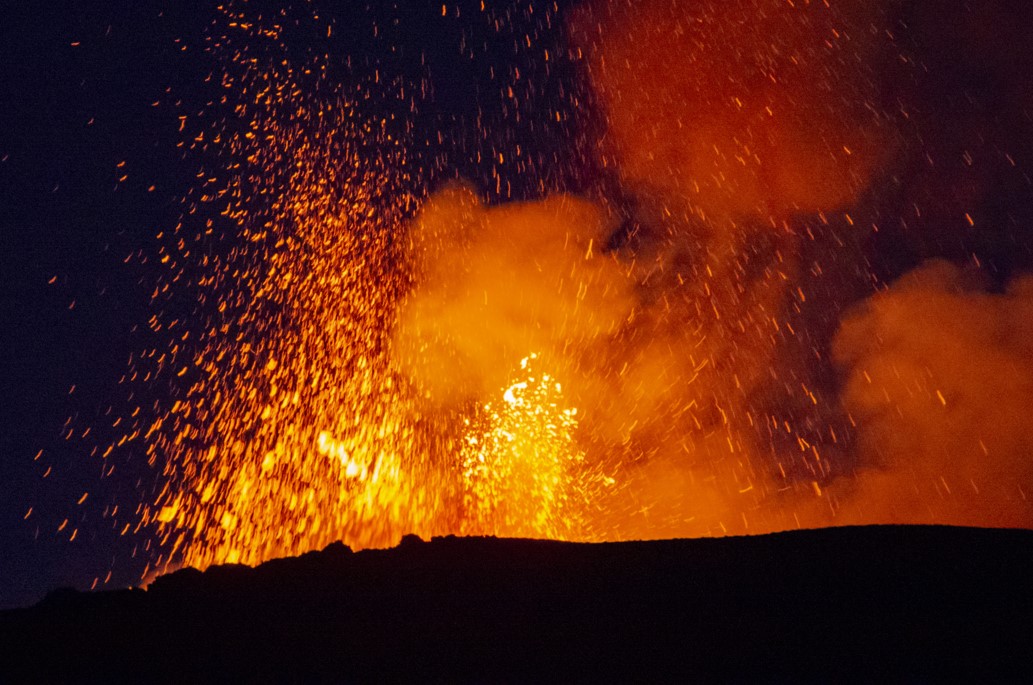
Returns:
point(940, 382)
point(725, 108)
point(497, 284)
point(657, 367)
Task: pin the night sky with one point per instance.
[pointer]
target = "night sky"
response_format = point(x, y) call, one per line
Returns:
point(90, 173)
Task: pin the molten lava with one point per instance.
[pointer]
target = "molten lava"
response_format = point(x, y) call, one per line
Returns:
point(523, 471)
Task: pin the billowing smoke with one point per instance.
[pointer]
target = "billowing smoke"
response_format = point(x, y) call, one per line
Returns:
point(497, 284)
point(731, 125)
point(725, 121)
point(939, 379)
point(660, 381)
point(725, 108)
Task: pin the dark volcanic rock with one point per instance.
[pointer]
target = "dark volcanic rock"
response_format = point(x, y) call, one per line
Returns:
point(848, 604)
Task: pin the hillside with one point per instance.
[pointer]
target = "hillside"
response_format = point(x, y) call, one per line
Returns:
point(873, 603)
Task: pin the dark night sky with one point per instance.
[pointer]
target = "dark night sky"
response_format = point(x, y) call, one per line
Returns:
point(77, 88)
point(63, 216)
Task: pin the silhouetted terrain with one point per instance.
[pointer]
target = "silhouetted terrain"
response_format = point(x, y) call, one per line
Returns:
point(872, 604)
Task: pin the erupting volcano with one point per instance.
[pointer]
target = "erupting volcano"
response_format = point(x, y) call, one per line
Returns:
point(581, 271)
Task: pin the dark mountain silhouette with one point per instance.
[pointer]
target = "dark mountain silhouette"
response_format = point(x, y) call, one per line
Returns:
point(881, 603)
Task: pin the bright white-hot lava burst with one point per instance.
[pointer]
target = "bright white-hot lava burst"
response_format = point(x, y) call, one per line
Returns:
point(368, 358)
point(524, 474)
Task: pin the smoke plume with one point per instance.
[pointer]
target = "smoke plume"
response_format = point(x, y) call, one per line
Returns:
point(939, 378)
point(738, 107)
point(734, 127)
point(499, 283)
point(725, 122)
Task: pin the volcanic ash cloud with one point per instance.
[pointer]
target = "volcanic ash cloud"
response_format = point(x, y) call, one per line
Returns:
point(939, 378)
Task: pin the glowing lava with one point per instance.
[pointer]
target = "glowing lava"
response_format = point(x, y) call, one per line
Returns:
point(524, 473)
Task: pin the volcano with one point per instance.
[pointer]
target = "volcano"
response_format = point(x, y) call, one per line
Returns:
point(289, 277)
